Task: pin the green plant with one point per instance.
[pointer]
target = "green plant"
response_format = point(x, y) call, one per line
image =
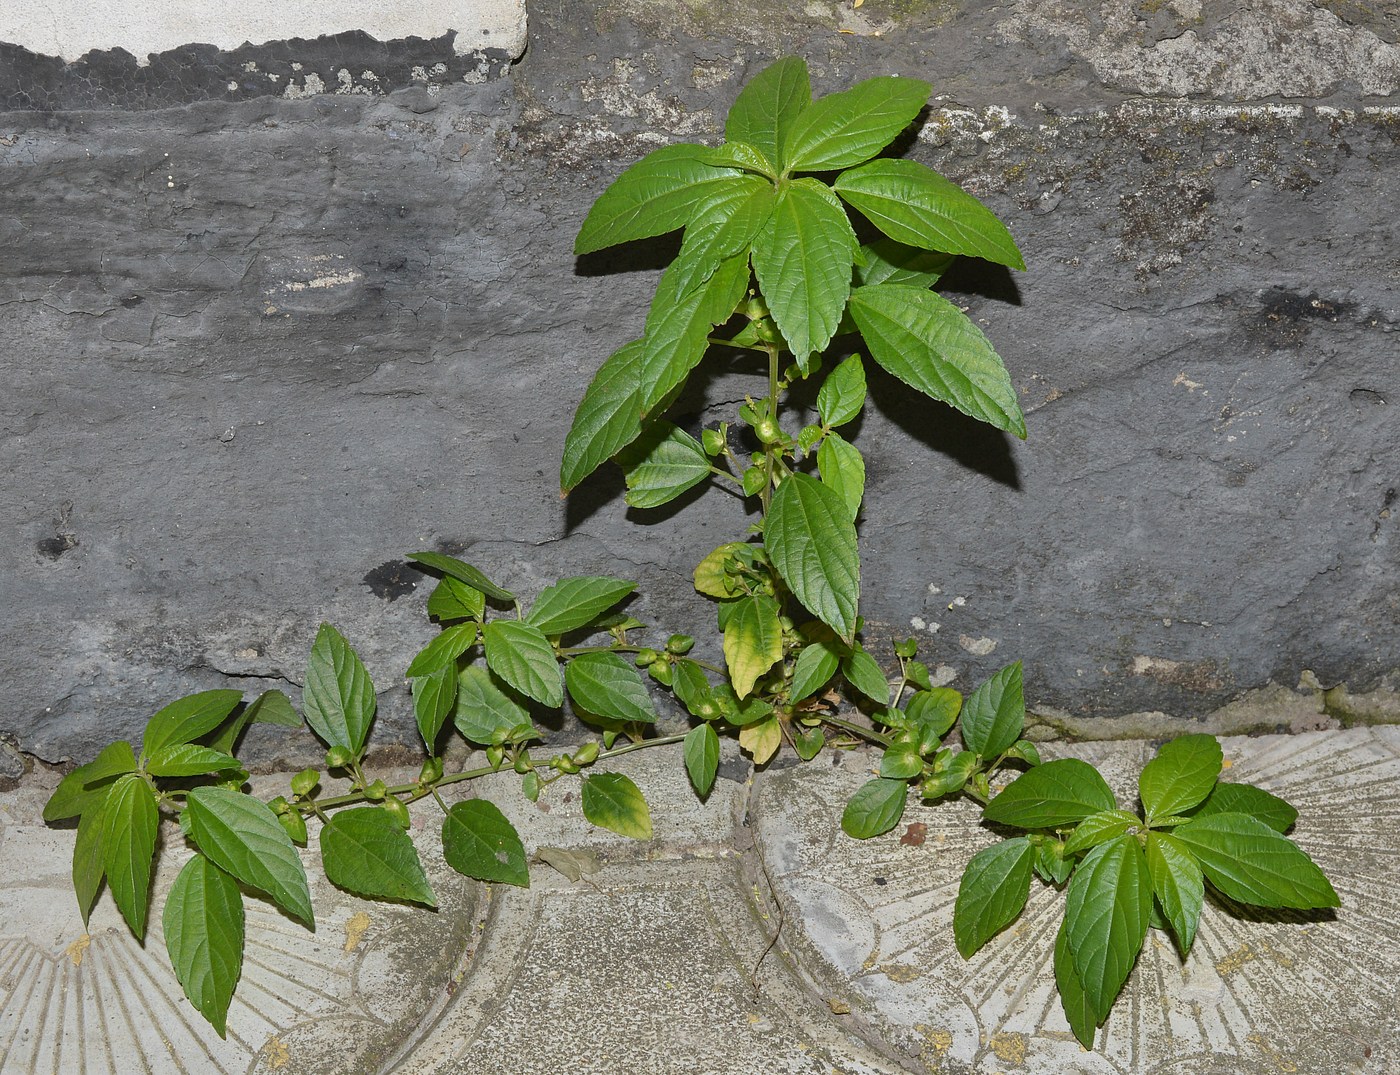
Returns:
point(772, 270)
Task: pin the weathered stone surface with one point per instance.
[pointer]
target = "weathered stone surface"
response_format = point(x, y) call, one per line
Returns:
point(259, 350)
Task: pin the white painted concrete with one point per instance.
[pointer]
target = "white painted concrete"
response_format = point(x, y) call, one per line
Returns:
point(71, 28)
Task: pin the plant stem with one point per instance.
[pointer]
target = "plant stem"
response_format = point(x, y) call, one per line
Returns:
point(574, 651)
point(869, 734)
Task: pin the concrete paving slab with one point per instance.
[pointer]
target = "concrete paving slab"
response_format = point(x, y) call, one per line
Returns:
point(871, 922)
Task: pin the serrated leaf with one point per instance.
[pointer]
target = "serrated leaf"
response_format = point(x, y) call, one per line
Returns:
point(812, 542)
point(657, 194)
point(840, 466)
point(992, 893)
point(444, 649)
point(608, 418)
point(935, 709)
point(661, 465)
point(994, 714)
point(766, 108)
point(88, 867)
point(187, 759)
point(886, 261)
point(186, 719)
point(576, 602)
point(86, 786)
point(203, 923)
point(803, 259)
point(479, 841)
point(1106, 913)
point(242, 836)
point(434, 698)
point(753, 640)
point(462, 572)
point(723, 226)
point(865, 675)
point(742, 155)
point(913, 204)
point(678, 327)
point(842, 393)
point(130, 822)
point(612, 801)
point(1250, 862)
point(604, 685)
point(875, 808)
point(1178, 884)
point(1099, 828)
point(1078, 1011)
point(844, 129)
point(522, 656)
point(366, 851)
point(816, 663)
point(338, 696)
point(270, 707)
point(701, 749)
point(485, 714)
point(1052, 795)
point(572, 864)
point(931, 345)
point(453, 599)
point(1180, 776)
point(1247, 799)
point(690, 685)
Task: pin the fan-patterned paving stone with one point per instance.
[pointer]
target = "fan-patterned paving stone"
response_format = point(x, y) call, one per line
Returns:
point(1262, 993)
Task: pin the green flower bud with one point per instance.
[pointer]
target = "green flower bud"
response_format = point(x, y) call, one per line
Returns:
point(396, 809)
point(295, 825)
point(587, 754)
point(376, 791)
point(712, 440)
point(431, 772)
point(279, 806)
point(679, 644)
point(907, 648)
point(304, 783)
point(339, 757)
point(660, 671)
point(646, 656)
point(564, 764)
point(495, 754)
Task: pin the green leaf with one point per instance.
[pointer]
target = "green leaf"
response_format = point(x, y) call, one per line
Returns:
point(658, 194)
point(875, 808)
point(753, 640)
point(702, 757)
point(1051, 864)
point(604, 685)
point(185, 720)
point(1078, 1011)
point(187, 759)
point(723, 226)
point(901, 762)
point(662, 465)
point(612, 801)
point(809, 744)
point(812, 542)
point(130, 822)
point(366, 851)
point(865, 675)
point(88, 868)
point(935, 709)
point(1100, 828)
point(678, 327)
point(710, 577)
point(270, 707)
point(203, 923)
point(761, 738)
point(816, 664)
point(844, 129)
point(522, 656)
point(888, 262)
point(1106, 913)
point(485, 713)
point(690, 685)
point(443, 651)
point(842, 394)
point(86, 786)
point(1178, 884)
point(241, 835)
point(913, 204)
point(741, 713)
point(1247, 799)
point(576, 602)
point(766, 108)
point(803, 259)
point(462, 572)
point(608, 418)
point(434, 698)
point(840, 466)
point(742, 155)
point(479, 841)
point(992, 893)
point(931, 345)
point(1251, 863)
point(338, 696)
point(1180, 776)
point(1053, 795)
point(994, 713)
point(453, 599)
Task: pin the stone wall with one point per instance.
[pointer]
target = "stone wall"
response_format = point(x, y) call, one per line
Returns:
point(274, 315)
